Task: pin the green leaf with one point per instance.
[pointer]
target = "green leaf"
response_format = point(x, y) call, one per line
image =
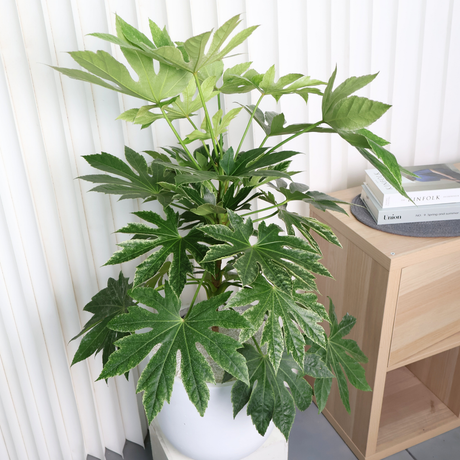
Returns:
point(190, 102)
point(309, 300)
point(166, 237)
point(195, 48)
point(131, 35)
point(143, 116)
point(316, 367)
point(239, 79)
point(326, 102)
point(345, 89)
point(322, 389)
point(105, 305)
point(160, 37)
point(275, 305)
point(306, 225)
point(220, 124)
point(267, 396)
point(249, 162)
point(175, 334)
point(384, 161)
point(343, 357)
point(273, 123)
point(293, 83)
point(142, 182)
point(354, 113)
point(361, 138)
point(151, 86)
point(279, 257)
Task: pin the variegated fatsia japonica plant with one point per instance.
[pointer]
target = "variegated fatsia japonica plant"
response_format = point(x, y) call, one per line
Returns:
point(207, 238)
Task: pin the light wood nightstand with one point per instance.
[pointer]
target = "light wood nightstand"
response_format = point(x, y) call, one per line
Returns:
point(405, 294)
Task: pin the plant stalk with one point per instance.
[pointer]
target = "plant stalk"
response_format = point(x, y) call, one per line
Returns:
point(206, 113)
point(306, 130)
point(249, 124)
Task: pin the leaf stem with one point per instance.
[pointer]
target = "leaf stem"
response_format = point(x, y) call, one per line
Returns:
point(181, 142)
point(266, 217)
point(249, 124)
point(265, 209)
point(206, 113)
point(306, 130)
point(263, 142)
point(257, 345)
point(195, 296)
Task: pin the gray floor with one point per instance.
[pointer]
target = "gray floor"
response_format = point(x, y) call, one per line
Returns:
point(313, 438)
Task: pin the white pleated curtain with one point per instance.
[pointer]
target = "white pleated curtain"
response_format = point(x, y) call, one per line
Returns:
point(55, 237)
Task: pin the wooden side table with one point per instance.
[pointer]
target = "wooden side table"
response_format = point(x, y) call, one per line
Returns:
point(405, 294)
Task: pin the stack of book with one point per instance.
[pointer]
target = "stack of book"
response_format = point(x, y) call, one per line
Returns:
point(435, 195)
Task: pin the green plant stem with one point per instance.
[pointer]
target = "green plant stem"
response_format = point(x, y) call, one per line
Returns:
point(179, 206)
point(206, 113)
point(266, 217)
point(196, 127)
point(265, 209)
point(277, 146)
point(221, 137)
point(257, 345)
point(195, 296)
point(263, 142)
point(248, 125)
point(181, 142)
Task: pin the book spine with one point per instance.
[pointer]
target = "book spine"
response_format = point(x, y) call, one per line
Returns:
point(392, 199)
point(409, 214)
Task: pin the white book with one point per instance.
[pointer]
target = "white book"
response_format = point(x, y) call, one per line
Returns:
point(408, 214)
point(436, 184)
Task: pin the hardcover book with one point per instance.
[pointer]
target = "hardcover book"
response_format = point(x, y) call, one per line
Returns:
point(435, 184)
point(408, 214)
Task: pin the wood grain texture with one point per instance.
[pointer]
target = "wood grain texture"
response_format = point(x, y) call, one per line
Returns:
point(441, 374)
point(410, 410)
point(391, 251)
point(404, 294)
point(427, 311)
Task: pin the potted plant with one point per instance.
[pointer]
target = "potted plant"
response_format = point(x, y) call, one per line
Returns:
point(208, 238)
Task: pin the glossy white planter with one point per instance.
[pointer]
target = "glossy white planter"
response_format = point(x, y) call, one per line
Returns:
point(217, 435)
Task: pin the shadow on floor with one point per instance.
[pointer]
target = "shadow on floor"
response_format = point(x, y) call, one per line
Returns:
point(131, 451)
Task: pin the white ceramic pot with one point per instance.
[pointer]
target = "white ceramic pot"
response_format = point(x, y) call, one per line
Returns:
point(217, 435)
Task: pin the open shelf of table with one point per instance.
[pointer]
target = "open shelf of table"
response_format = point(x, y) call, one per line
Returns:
point(404, 293)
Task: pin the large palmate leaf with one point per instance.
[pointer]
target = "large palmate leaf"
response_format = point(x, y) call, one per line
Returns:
point(249, 162)
point(189, 101)
point(293, 83)
point(167, 237)
point(305, 225)
point(279, 257)
point(150, 86)
point(184, 106)
point(299, 192)
point(240, 79)
point(175, 334)
point(275, 305)
point(194, 55)
point(267, 396)
point(343, 357)
point(105, 305)
point(136, 179)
